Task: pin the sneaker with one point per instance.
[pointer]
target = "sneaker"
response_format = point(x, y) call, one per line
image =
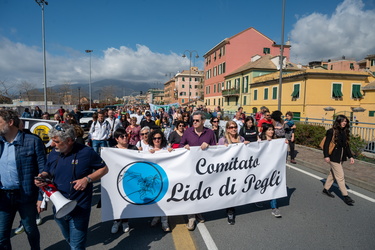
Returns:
point(115, 227)
point(293, 161)
point(38, 220)
point(200, 218)
point(125, 227)
point(231, 220)
point(155, 221)
point(20, 229)
point(165, 227)
point(191, 224)
point(276, 212)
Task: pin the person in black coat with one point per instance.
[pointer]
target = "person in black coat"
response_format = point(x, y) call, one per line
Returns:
point(341, 136)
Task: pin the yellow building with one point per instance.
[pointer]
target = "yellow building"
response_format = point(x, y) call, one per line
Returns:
point(317, 93)
point(236, 90)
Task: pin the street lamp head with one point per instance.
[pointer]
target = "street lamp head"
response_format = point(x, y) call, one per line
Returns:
point(183, 55)
point(88, 50)
point(196, 56)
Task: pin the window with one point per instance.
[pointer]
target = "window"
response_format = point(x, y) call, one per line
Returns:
point(255, 94)
point(295, 93)
point(336, 90)
point(352, 66)
point(237, 83)
point(245, 84)
point(183, 100)
point(183, 79)
point(265, 94)
point(356, 91)
point(244, 100)
point(214, 88)
point(214, 101)
point(371, 113)
point(274, 93)
point(223, 67)
point(183, 86)
point(266, 51)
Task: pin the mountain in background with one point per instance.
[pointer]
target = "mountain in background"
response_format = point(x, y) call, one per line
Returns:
point(105, 87)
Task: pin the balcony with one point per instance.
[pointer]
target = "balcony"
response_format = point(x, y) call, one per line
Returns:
point(231, 92)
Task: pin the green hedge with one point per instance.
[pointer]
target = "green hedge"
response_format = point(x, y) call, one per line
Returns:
point(309, 135)
point(312, 135)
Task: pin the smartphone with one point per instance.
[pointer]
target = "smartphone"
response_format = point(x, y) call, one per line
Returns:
point(42, 179)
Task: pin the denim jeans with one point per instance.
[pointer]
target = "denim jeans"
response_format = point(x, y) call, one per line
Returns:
point(273, 203)
point(97, 144)
point(9, 205)
point(74, 227)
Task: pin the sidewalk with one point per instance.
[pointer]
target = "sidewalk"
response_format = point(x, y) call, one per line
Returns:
point(361, 174)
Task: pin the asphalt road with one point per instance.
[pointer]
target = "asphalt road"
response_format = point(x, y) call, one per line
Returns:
point(309, 220)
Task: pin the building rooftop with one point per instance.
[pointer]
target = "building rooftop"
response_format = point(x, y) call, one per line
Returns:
point(264, 62)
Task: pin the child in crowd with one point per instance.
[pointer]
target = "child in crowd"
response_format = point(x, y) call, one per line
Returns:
point(289, 127)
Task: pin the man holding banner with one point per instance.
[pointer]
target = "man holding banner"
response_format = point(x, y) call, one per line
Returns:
point(73, 167)
point(197, 135)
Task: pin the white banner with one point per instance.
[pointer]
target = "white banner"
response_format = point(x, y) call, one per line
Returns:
point(141, 184)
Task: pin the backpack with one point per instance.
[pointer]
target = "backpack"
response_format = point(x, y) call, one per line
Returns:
point(280, 133)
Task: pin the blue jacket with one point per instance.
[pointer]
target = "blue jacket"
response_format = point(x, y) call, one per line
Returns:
point(30, 161)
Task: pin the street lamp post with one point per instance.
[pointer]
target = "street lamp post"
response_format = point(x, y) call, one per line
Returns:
point(281, 56)
point(79, 98)
point(90, 90)
point(41, 3)
point(191, 52)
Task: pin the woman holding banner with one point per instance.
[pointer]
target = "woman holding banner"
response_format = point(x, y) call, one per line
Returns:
point(122, 142)
point(231, 137)
point(268, 133)
point(175, 137)
point(143, 145)
point(158, 142)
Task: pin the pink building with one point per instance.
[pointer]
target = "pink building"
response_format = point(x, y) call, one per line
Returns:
point(188, 86)
point(230, 54)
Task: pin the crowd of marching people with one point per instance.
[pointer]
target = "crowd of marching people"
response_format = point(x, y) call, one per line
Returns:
point(133, 128)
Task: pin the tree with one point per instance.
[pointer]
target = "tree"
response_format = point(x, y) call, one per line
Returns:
point(25, 90)
point(65, 93)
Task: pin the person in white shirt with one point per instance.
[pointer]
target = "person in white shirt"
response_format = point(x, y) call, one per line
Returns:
point(237, 119)
point(114, 124)
point(99, 133)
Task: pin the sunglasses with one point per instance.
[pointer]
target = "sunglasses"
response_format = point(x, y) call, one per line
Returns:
point(232, 127)
point(144, 134)
point(156, 138)
point(196, 120)
point(122, 136)
point(215, 121)
point(181, 125)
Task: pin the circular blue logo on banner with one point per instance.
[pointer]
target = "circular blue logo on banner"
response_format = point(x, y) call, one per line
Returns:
point(142, 183)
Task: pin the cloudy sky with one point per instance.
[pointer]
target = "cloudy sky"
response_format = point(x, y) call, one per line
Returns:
point(143, 41)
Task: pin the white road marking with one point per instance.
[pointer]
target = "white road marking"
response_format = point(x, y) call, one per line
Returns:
point(319, 178)
point(207, 237)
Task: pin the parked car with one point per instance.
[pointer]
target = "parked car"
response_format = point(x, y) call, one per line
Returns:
point(86, 117)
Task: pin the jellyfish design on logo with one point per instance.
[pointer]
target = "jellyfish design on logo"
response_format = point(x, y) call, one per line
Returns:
point(142, 183)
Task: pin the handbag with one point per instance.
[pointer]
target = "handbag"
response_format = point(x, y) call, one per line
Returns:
point(330, 147)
